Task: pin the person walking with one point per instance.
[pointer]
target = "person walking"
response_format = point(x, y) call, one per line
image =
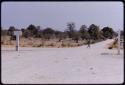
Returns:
point(88, 43)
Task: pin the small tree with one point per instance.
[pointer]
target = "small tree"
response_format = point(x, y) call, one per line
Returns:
point(59, 35)
point(48, 33)
point(76, 36)
point(71, 29)
point(11, 30)
point(83, 31)
point(26, 33)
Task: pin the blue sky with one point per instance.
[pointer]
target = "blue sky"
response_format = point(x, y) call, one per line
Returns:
point(58, 14)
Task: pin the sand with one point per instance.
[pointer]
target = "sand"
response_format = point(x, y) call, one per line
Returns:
point(77, 65)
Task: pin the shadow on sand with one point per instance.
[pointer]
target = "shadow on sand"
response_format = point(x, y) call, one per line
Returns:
point(12, 50)
point(110, 54)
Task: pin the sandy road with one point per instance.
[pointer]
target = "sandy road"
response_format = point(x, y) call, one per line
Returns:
point(62, 65)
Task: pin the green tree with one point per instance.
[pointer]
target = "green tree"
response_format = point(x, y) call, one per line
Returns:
point(83, 31)
point(76, 36)
point(94, 32)
point(39, 32)
point(25, 33)
point(32, 30)
point(48, 33)
point(11, 30)
point(59, 35)
point(71, 29)
point(107, 32)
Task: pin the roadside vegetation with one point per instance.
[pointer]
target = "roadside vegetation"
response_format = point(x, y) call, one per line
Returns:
point(36, 36)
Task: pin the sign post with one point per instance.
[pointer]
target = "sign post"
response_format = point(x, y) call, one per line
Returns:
point(17, 33)
point(119, 42)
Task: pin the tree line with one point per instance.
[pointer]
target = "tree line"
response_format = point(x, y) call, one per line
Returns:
point(92, 32)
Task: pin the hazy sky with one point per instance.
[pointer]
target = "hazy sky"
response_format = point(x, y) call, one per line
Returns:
point(58, 14)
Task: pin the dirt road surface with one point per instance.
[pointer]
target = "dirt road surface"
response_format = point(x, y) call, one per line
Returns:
point(79, 65)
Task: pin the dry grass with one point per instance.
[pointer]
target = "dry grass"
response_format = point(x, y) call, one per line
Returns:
point(37, 42)
point(112, 45)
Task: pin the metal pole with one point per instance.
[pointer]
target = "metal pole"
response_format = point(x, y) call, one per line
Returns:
point(17, 42)
point(119, 42)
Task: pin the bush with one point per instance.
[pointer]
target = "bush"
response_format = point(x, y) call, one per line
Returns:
point(63, 45)
point(13, 37)
point(52, 44)
point(39, 45)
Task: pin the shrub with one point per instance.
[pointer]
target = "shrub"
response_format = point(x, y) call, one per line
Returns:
point(13, 37)
point(63, 45)
point(39, 45)
point(52, 44)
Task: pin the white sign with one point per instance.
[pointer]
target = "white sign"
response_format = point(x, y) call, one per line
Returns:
point(17, 33)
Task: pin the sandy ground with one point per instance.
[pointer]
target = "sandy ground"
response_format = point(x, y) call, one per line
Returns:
point(63, 65)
